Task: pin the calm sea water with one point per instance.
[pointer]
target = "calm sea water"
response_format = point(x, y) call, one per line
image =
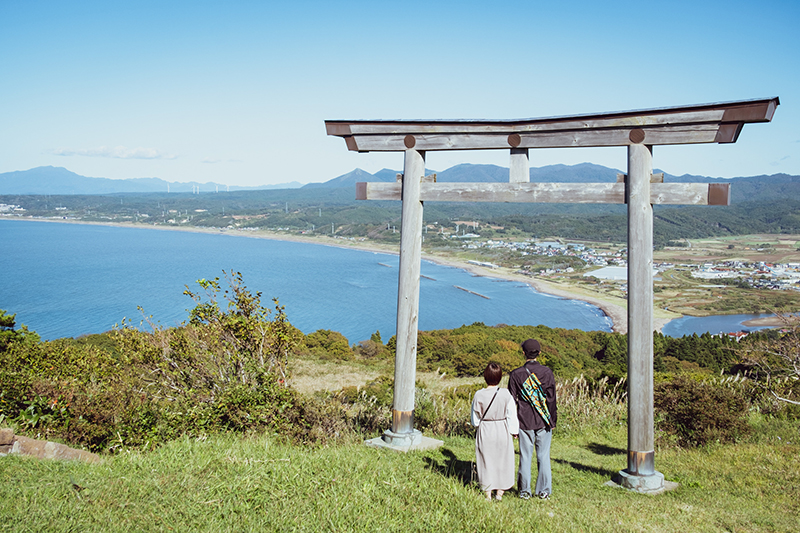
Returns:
point(66, 280)
point(712, 324)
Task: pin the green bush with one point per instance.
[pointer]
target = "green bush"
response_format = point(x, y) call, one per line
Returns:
point(696, 413)
point(379, 390)
point(14, 386)
point(223, 371)
point(329, 345)
point(10, 334)
point(371, 350)
point(508, 361)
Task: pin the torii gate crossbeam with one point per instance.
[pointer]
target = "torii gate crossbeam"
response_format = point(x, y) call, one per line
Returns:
point(639, 131)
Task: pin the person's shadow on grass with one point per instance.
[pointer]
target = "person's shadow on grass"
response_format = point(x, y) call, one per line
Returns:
point(597, 449)
point(587, 468)
point(603, 449)
point(453, 467)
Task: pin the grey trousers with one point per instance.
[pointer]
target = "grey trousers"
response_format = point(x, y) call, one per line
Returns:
point(540, 439)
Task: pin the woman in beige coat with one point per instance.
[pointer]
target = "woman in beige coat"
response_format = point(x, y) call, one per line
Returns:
point(494, 413)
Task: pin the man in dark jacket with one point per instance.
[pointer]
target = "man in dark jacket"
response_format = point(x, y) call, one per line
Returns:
point(534, 428)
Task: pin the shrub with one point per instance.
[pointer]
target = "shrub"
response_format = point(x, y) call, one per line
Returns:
point(508, 361)
point(468, 364)
point(224, 371)
point(329, 345)
point(585, 403)
point(696, 413)
point(370, 350)
point(439, 415)
point(379, 390)
point(10, 335)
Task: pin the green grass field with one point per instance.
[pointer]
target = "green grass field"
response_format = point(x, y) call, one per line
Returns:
point(231, 483)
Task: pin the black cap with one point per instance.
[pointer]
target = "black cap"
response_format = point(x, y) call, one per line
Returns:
point(531, 346)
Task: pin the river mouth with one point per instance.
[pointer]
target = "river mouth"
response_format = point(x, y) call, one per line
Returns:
point(716, 324)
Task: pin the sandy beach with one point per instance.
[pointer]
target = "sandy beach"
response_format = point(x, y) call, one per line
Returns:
point(771, 321)
point(617, 313)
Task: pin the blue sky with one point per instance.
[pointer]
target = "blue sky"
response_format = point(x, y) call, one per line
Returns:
point(238, 92)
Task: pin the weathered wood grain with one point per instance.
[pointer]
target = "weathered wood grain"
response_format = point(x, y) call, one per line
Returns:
point(559, 139)
point(760, 110)
point(519, 169)
point(640, 311)
point(408, 293)
point(550, 193)
point(707, 123)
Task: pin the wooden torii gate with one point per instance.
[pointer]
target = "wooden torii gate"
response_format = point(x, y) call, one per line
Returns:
point(639, 131)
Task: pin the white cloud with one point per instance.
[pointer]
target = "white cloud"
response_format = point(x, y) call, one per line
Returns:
point(117, 152)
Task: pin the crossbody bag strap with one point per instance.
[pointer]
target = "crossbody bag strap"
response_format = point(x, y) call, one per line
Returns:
point(489, 406)
point(519, 391)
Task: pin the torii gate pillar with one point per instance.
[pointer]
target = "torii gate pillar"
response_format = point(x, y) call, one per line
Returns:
point(402, 432)
point(640, 474)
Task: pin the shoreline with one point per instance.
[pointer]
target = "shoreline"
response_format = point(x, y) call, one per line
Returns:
point(770, 321)
point(618, 314)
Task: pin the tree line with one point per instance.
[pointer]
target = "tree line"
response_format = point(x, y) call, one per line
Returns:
point(327, 211)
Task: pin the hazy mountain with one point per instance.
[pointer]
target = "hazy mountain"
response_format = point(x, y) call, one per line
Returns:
point(466, 172)
point(345, 180)
point(351, 178)
point(58, 180)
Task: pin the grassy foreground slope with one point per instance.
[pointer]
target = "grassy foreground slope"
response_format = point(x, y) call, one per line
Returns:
point(203, 429)
point(227, 483)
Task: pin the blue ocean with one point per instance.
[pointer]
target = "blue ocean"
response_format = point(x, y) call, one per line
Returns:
point(67, 280)
point(711, 324)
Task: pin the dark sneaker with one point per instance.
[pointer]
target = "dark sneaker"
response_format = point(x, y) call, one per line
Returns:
point(525, 495)
point(543, 496)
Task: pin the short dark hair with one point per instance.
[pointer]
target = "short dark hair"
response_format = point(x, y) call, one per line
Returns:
point(492, 374)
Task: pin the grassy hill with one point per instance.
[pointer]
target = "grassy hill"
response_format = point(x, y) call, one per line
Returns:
point(255, 483)
point(202, 430)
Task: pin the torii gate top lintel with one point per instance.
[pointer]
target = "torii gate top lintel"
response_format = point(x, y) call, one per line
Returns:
point(703, 123)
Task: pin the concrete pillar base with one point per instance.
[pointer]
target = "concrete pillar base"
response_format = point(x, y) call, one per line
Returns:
point(404, 442)
point(402, 439)
point(650, 484)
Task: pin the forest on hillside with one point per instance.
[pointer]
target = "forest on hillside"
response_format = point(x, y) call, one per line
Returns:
point(333, 211)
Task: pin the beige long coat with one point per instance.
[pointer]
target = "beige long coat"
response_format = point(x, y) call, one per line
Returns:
point(494, 445)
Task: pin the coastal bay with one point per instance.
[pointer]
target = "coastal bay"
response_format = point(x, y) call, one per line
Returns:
point(614, 308)
point(76, 279)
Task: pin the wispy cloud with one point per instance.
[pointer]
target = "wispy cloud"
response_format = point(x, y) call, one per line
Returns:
point(779, 161)
point(117, 152)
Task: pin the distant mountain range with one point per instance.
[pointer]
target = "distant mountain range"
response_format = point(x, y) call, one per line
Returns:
point(755, 188)
point(60, 181)
point(466, 172)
